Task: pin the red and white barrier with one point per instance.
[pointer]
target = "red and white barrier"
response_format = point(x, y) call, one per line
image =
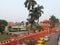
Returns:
point(33, 36)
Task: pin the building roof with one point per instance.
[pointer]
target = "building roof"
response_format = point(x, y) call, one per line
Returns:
point(46, 21)
point(11, 24)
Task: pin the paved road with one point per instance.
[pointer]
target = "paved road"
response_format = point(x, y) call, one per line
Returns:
point(53, 39)
point(59, 42)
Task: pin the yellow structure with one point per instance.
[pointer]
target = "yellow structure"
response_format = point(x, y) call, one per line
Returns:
point(41, 41)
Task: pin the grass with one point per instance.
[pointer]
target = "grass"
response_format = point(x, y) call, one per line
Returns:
point(4, 37)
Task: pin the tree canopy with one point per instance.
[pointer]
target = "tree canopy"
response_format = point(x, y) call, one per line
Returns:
point(53, 21)
point(34, 12)
point(30, 4)
point(3, 23)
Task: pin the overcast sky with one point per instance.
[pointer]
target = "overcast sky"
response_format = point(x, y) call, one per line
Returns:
point(15, 11)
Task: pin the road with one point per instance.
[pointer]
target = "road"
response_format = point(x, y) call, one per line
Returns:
point(59, 42)
point(53, 39)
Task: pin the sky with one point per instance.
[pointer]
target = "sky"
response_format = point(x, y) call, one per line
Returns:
point(15, 11)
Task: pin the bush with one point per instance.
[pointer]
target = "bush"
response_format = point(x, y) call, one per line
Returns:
point(4, 37)
point(2, 28)
point(13, 30)
point(3, 23)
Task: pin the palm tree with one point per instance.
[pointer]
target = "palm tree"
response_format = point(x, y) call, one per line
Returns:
point(36, 12)
point(30, 4)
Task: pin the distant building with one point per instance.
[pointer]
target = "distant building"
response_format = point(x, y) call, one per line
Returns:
point(11, 24)
point(17, 25)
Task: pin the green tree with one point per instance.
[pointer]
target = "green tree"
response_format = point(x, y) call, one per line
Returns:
point(57, 21)
point(3, 23)
point(30, 4)
point(31, 21)
point(39, 28)
point(36, 12)
point(26, 25)
point(53, 21)
point(39, 12)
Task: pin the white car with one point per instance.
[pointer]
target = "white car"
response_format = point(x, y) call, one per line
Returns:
point(46, 38)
